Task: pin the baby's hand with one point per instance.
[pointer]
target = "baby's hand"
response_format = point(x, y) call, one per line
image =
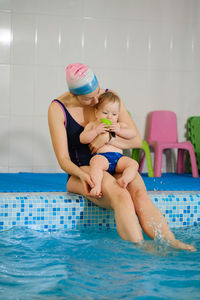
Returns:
point(101, 128)
point(114, 127)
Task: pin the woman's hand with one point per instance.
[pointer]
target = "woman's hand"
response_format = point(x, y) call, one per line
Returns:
point(87, 182)
point(99, 142)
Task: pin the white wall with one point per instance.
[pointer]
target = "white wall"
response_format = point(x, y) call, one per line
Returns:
point(147, 50)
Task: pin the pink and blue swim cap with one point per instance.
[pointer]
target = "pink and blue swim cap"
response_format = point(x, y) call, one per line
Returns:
point(81, 79)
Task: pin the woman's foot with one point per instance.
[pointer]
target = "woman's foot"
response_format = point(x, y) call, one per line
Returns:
point(180, 245)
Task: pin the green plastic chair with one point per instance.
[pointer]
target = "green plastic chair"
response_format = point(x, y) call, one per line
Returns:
point(136, 156)
point(193, 135)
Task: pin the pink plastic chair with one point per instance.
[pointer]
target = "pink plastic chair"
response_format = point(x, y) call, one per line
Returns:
point(162, 134)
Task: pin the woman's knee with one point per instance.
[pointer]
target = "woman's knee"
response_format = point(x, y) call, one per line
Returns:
point(141, 194)
point(116, 195)
point(140, 198)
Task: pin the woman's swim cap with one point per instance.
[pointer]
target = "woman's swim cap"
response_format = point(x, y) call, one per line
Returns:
point(81, 79)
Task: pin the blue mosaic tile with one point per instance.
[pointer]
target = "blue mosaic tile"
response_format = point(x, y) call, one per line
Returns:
point(53, 211)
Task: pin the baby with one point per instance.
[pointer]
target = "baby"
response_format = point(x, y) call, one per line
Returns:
point(109, 157)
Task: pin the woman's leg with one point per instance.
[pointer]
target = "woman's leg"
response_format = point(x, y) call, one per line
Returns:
point(98, 164)
point(150, 218)
point(116, 198)
point(128, 167)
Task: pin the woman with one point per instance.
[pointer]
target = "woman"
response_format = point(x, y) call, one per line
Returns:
point(70, 113)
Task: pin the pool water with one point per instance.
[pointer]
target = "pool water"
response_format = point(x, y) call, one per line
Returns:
point(96, 265)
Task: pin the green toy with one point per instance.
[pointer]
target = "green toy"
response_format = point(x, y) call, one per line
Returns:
point(106, 121)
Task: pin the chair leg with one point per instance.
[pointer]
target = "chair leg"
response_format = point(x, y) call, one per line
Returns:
point(195, 173)
point(180, 161)
point(135, 154)
point(141, 162)
point(145, 147)
point(157, 161)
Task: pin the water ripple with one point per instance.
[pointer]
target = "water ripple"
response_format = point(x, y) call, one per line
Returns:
point(96, 265)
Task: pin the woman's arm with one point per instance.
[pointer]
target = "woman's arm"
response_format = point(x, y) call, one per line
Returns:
point(60, 143)
point(123, 131)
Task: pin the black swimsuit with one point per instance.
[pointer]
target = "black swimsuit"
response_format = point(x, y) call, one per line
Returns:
point(79, 153)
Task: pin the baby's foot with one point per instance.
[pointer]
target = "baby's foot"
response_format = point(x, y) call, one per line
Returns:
point(180, 245)
point(95, 192)
point(122, 182)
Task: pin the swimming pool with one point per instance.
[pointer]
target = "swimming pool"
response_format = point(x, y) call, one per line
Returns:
point(93, 264)
point(61, 246)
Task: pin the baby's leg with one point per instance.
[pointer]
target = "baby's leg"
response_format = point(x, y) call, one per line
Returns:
point(98, 164)
point(128, 167)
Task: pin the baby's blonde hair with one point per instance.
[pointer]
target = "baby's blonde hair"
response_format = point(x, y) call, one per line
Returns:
point(107, 97)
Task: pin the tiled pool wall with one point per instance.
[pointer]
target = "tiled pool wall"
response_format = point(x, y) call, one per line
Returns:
point(53, 211)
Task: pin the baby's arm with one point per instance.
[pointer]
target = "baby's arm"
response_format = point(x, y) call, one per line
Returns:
point(91, 131)
point(123, 130)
